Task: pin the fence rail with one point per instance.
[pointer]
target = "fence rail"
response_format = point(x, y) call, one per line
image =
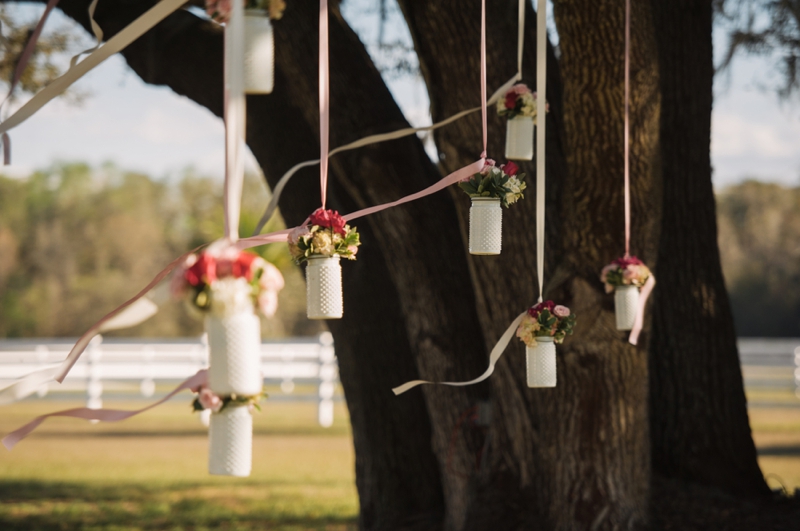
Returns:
point(115, 364)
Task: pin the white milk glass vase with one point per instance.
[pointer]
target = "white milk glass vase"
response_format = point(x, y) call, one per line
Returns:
point(324, 288)
point(230, 442)
point(485, 226)
point(519, 138)
point(541, 363)
point(626, 304)
point(234, 340)
point(259, 52)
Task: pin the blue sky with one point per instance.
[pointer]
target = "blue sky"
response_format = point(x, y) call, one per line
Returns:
point(150, 129)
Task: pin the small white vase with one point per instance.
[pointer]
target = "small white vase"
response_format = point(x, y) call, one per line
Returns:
point(519, 138)
point(541, 363)
point(485, 226)
point(259, 52)
point(230, 442)
point(324, 288)
point(234, 348)
point(626, 304)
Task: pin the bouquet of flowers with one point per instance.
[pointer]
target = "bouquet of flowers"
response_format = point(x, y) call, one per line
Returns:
point(546, 319)
point(220, 10)
point(503, 183)
point(625, 271)
point(519, 101)
point(327, 235)
point(228, 283)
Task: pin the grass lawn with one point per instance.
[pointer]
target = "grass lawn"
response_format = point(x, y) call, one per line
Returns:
point(149, 473)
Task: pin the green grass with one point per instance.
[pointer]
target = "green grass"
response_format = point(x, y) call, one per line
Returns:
point(149, 473)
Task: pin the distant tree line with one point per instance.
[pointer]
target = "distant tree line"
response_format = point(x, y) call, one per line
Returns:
point(75, 242)
point(759, 241)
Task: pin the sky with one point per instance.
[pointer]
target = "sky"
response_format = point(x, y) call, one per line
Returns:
point(151, 129)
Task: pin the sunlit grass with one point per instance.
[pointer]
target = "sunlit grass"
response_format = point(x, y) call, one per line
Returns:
point(150, 473)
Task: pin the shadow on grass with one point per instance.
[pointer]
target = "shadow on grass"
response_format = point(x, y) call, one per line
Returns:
point(36, 505)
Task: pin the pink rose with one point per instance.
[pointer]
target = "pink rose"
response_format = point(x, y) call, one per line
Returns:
point(271, 278)
point(561, 311)
point(521, 88)
point(487, 167)
point(297, 233)
point(268, 303)
point(353, 249)
point(209, 400)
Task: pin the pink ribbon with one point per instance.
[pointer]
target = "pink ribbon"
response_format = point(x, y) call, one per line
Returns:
point(639, 321)
point(27, 53)
point(627, 128)
point(483, 78)
point(103, 415)
point(324, 100)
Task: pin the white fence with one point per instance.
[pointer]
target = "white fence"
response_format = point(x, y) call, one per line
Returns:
point(128, 364)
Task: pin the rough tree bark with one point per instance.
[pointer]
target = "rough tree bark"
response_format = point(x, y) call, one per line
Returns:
point(698, 413)
point(575, 457)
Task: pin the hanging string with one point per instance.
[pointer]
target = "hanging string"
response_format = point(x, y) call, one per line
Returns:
point(324, 99)
point(627, 128)
point(541, 113)
point(483, 77)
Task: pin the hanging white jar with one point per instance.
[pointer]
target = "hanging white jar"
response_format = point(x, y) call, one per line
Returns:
point(259, 52)
point(626, 304)
point(324, 288)
point(519, 138)
point(485, 226)
point(230, 437)
point(541, 363)
point(234, 346)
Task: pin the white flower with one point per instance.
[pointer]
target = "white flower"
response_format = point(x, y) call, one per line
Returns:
point(230, 296)
point(323, 244)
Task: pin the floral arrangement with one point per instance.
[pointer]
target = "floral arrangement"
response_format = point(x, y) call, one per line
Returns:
point(625, 271)
point(206, 399)
point(546, 319)
point(519, 101)
point(220, 10)
point(228, 283)
point(502, 183)
point(327, 234)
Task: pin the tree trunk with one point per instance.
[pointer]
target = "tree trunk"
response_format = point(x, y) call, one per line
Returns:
point(698, 413)
point(574, 457)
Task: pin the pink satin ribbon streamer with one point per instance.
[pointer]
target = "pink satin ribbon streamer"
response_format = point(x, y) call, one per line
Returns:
point(103, 415)
point(638, 323)
point(483, 79)
point(627, 128)
point(324, 100)
point(27, 53)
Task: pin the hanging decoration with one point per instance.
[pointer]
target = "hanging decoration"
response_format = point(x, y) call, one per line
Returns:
point(626, 275)
point(490, 189)
point(540, 327)
point(259, 40)
point(545, 324)
point(320, 244)
point(519, 106)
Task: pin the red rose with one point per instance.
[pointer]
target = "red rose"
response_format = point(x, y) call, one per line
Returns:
point(204, 271)
point(535, 310)
point(623, 262)
point(242, 265)
point(509, 168)
point(329, 219)
point(511, 100)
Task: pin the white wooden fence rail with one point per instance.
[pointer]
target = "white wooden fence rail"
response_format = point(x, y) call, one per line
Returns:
point(115, 364)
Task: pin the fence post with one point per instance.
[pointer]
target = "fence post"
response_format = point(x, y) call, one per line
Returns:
point(43, 356)
point(94, 385)
point(327, 377)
